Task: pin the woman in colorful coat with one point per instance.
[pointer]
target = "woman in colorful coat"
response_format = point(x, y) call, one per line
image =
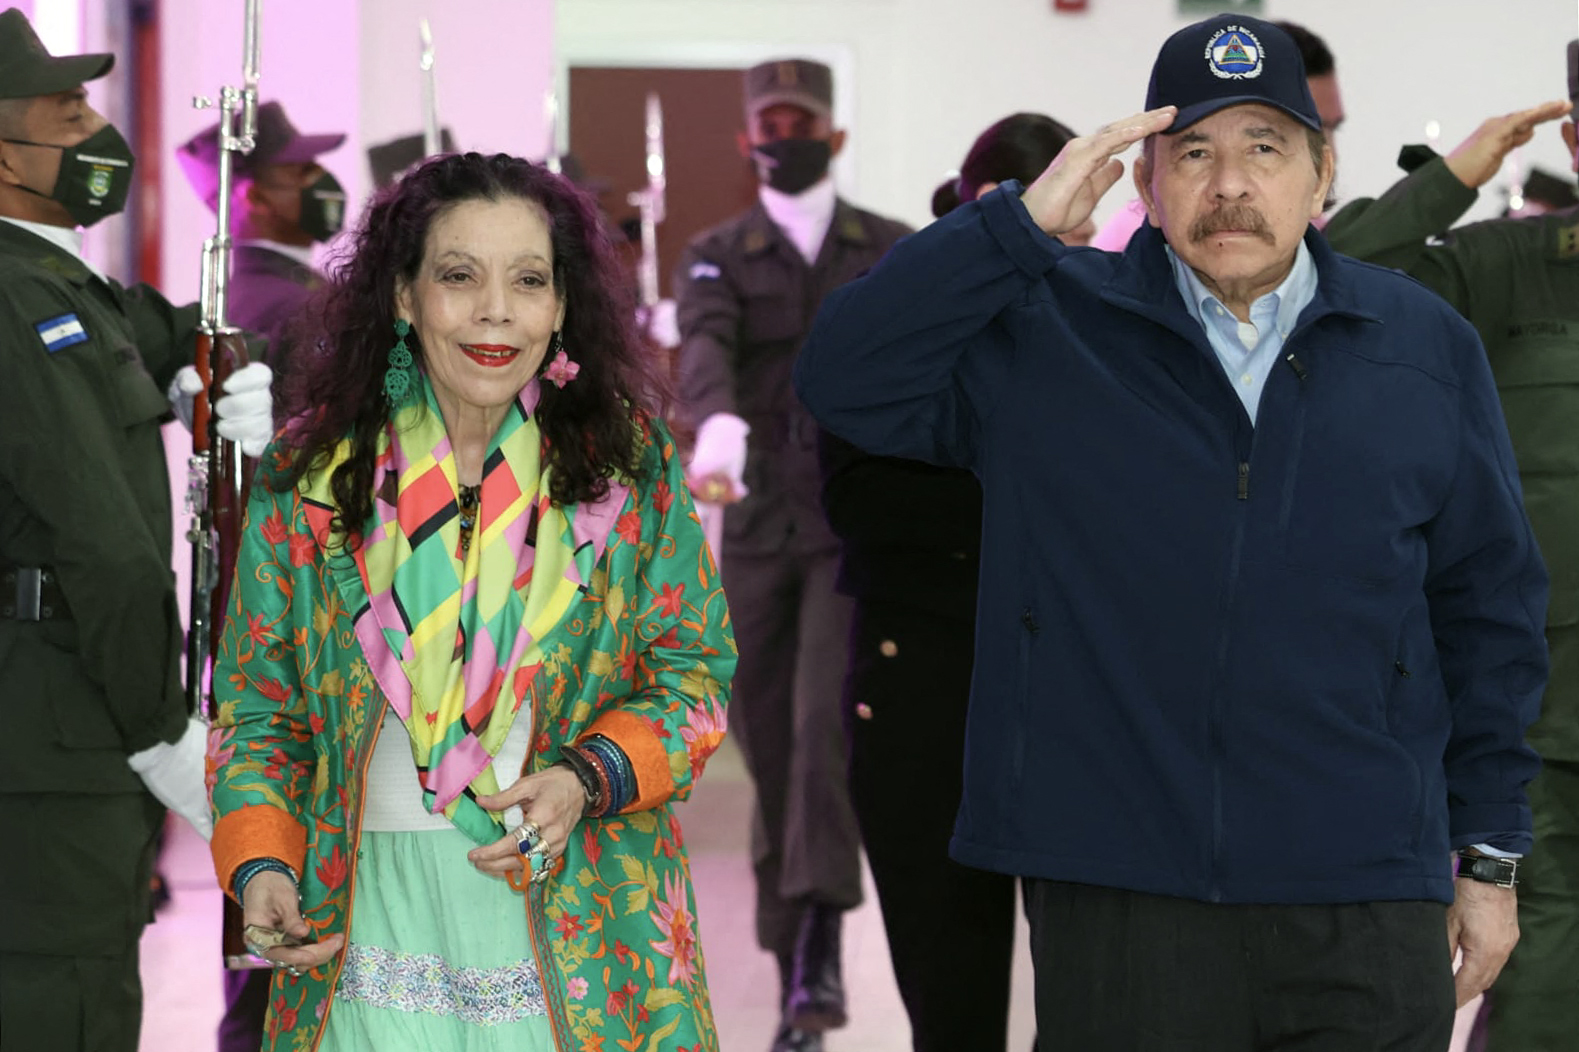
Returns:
point(477, 647)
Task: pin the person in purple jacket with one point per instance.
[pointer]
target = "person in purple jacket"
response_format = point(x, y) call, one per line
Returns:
point(1260, 616)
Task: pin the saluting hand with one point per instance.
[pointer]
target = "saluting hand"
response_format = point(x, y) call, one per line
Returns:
point(1479, 158)
point(1065, 194)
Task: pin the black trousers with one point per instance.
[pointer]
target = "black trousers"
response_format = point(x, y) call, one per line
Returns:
point(1121, 971)
point(792, 628)
point(950, 928)
point(246, 1003)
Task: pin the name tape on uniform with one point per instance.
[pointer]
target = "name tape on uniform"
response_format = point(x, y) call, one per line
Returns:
point(60, 332)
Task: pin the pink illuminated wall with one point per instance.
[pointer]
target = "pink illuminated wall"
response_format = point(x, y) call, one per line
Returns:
point(351, 66)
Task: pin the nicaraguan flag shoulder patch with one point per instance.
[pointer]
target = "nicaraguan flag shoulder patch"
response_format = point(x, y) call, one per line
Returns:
point(60, 332)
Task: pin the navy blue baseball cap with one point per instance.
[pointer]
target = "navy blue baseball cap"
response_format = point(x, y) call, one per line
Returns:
point(1226, 61)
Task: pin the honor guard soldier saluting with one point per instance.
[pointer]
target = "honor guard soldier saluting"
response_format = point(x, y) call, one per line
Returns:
point(98, 739)
point(1517, 282)
point(284, 202)
point(746, 293)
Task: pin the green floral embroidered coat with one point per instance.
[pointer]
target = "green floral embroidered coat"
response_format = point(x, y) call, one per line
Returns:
point(644, 657)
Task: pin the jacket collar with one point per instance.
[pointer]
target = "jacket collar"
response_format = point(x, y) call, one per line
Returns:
point(759, 233)
point(1143, 283)
point(18, 241)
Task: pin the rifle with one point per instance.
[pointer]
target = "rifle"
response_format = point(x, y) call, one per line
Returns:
point(432, 135)
point(216, 493)
point(651, 202)
point(551, 159)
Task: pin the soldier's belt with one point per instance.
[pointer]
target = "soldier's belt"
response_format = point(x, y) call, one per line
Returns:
point(32, 593)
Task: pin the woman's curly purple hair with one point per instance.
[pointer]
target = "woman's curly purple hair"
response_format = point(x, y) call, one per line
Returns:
point(591, 427)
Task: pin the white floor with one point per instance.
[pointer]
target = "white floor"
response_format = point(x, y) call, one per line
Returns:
point(180, 964)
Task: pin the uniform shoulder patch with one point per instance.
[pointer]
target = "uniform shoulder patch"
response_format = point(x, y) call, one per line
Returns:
point(60, 332)
point(1568, 242)
point(702, 270)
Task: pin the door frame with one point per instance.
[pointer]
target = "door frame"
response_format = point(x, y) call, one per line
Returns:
point(635, 54)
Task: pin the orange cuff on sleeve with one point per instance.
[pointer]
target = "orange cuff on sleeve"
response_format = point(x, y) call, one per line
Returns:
point(257, 831)
point(642, 746)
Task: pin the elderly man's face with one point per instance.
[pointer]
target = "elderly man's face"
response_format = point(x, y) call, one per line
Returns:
point(1233, 194)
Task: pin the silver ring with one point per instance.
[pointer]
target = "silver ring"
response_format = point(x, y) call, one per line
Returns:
point(528, 838)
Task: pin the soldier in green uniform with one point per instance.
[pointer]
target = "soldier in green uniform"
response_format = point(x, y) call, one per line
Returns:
point(1517, 281)
point(96, 740)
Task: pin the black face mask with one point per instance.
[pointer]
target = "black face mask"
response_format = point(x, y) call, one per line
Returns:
point(791, 166)
point(323, 208)
point(95, 175)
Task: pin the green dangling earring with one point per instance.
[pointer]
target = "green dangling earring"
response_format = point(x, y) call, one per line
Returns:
point(397, 379)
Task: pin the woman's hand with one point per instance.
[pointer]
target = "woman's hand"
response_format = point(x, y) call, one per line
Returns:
point(271, 902)
point(553, 800)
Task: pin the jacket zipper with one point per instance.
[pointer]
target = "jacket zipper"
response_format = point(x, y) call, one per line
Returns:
point(1029, 629)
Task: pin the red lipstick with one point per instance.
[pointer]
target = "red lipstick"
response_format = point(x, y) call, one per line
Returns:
point(490, 355)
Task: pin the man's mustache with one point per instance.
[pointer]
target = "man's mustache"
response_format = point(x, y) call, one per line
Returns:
point(1241, 218)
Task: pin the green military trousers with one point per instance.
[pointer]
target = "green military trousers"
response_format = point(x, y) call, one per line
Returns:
point(1535, 1002)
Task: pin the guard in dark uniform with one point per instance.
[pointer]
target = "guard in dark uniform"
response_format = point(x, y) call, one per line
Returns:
point(1517, 282)
point(97, 738)
point(747, 291)
point(284, 202)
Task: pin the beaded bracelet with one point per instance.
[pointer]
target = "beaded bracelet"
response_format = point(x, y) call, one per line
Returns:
point(247, 870)
point(621, 776)
point(600, 772)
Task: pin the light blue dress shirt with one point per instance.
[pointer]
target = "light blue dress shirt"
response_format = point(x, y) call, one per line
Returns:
point(1249, 350)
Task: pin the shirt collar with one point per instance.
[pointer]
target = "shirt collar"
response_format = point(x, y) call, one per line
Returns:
point(67, 238)
point(811, 209)
point(300, 253)
point(1288, 299)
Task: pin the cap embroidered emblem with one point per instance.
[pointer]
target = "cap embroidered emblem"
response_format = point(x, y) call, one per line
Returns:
point(1234, 53)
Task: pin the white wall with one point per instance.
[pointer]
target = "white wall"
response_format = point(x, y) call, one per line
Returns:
point(928, 75)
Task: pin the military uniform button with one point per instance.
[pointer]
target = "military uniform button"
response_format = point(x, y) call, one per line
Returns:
point(888, 648)
point(863, 710)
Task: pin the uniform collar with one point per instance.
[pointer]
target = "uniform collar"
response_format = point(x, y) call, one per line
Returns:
point(296, 253)
point(68, 241)
point(760, 232)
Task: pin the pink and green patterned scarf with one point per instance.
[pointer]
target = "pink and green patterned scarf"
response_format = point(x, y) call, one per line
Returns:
point(454, 637)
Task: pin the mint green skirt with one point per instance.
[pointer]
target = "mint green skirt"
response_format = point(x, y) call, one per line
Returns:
point(439, 958)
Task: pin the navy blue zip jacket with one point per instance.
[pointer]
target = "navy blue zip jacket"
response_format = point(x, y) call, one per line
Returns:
point(1289, 663)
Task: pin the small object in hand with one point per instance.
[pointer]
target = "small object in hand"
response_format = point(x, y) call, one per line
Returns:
point(260, 938)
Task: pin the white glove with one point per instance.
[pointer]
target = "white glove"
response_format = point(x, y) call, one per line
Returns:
point(246, 413)
point(182, 390)
point(721, 449)
point(175, 775)
point(663, 324)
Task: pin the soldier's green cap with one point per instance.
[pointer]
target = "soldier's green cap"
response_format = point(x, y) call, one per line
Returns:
point(795, 81)
point(28, 69)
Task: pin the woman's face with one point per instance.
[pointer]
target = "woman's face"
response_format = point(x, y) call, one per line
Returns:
point(483, 302)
